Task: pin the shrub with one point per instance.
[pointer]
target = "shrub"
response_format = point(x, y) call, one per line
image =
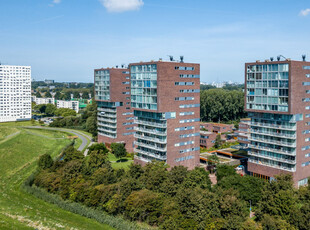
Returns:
point(45, 161)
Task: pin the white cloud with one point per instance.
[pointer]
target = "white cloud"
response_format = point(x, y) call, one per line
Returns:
point(54, 2)
point(122, 5)
point(304, 12)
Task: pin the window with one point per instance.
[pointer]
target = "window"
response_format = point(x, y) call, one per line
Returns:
point(189, 90)
point(126, 134)
point(184, 98)
point(127, 93)
point(184, 128)
point(184, 83)
point(306, 99)
point(306, 131)
point(303, 182)
point(305, 147)
point(305, 164)
point(186, 113)
point(189, 76)
point(184, 143)
point(189, 106)
point(191, 135)
point(306, 83)
point(184, 158)
point(308, 75)
point(189, 150)
point(306, 67)
point(190, 120)
point(125, 83)
point(184, 68)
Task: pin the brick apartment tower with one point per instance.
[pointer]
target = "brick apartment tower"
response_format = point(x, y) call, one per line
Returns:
point(278, 103)
point(115, 116)
point(165, 97)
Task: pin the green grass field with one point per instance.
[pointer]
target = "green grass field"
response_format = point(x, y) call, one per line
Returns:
point(116, 163)
point(18, 158)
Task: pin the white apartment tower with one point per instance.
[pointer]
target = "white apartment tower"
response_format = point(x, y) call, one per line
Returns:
point(15, 93)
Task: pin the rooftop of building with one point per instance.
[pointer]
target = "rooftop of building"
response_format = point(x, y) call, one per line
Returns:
point(278, 60)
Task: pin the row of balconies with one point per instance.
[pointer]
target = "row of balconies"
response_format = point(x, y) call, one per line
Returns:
point(264, 124)
point(155, 124)
point(107, 130)
point(107, 125)
point(286, 135)
point(106, 110)
point(279, 150)
point(272, 158)
point(151, 131)
point(150, 146)
point(157, 156)
point(273, 166)
point(106, 120)
point(107, 135)
point(107, 115)
point(153, 139)
point(269, 141)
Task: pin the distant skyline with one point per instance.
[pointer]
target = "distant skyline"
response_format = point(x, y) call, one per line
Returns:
point(66, 40)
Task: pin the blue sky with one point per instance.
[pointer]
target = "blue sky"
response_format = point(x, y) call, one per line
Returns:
point(66, 39)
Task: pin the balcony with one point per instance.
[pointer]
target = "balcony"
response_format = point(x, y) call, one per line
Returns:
point(281, 151)
point(273, 166)
point(107, 125)
point(153, 139)
point(143, 159)
point(155, 124)
point(107, 115)
point(107, 135)
point(157, 156)
point(267, 141)
point(106, 120)
point(154, 147)
point(106, 130)
point(106, 110)
point(151, 131)
point(267, 125)
point(274, 134)
point(272, 158)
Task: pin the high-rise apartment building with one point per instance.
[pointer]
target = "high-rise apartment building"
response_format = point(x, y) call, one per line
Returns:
point(15, 93)
point(165, 98)
point(115, 116)
point(278, 103)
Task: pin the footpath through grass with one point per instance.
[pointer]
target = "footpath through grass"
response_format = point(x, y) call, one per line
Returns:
point(18, 159)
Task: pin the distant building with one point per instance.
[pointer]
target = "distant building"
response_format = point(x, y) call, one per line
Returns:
point(15, 93)
point(49, 81)
point(40, 101)
point(243, 133)
point(217, 127)
point(207, 139)
point(278, 102)
point(68, 104)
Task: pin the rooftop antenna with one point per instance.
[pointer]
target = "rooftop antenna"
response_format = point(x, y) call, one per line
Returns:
point(171, 57)
point(117, 67)
point(123, 65)
point(303, 58)
point(278, 58)
point(271, 59)
point(181, 59)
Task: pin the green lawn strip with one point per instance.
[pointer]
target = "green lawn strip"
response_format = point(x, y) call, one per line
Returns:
point(6, 131)
point(117, 163)
point(19, 123)
point(18, 209)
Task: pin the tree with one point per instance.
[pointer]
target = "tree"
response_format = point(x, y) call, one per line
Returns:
point(91, 125)
point(48, 94)
point(41, 108)
point(118, 149)
point(58, 95)
point(64, 112)
point(218, 141)
point(50, 109)
point(38, 94)
point(213, 159)
point(76, 94)
point(45, 161)
point(224, 171)
point(85, 95)
point(98, 146)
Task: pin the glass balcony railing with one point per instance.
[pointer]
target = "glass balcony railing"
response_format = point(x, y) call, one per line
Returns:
point(273, 150)
point(111, 125)
point(272, 158)
point(268, 141)
point(273, 166)
point(149, 123)
point(150, 146)
point(106, 110)
point(107, 135)
point(153, 139)
point(106, 120)
point(157, 156)
point(151, 131)
point(264, 124)
point(106, 130)
point(275, 134)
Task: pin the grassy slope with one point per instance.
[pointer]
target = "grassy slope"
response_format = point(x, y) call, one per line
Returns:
point(116, 163)
point(19, 210)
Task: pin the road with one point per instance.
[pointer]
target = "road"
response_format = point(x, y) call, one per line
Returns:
point(85, 138)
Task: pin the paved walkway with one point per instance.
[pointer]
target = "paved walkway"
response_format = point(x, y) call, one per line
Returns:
point(9, 137)
point(84, 137)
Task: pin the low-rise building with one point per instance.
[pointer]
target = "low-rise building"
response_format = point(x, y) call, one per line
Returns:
point(68, 104)
point(217, 127)
point(207, 139)
point(43, 100)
